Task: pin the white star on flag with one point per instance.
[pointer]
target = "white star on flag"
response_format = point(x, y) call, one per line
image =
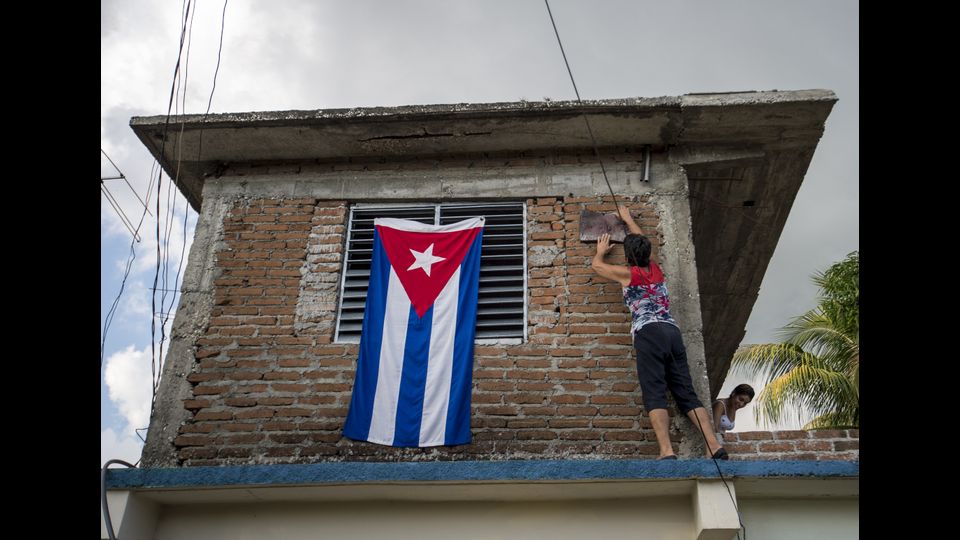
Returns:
point(425, 259)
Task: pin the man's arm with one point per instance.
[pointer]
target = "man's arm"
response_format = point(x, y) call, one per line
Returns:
point(632, 226)
point(612, 272)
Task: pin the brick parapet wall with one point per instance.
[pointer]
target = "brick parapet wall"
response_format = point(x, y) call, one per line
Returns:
point(801, 445)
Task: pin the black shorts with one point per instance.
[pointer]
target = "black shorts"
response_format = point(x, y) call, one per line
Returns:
point(662, 364)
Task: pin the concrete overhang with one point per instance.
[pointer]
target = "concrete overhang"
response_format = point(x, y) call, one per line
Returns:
point(745, 155)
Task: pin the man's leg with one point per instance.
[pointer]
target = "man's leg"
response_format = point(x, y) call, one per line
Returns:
point(701, 419)
point(661, 427)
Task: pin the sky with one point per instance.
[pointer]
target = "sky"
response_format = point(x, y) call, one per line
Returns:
point(324, 54)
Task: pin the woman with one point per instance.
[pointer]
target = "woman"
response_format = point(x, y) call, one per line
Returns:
point(725, 410)
point(661, 356)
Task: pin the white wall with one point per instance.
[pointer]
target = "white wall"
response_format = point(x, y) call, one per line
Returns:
point(666, 518)
point(801, 519)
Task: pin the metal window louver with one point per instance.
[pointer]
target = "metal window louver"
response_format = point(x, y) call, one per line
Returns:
point(501, 309)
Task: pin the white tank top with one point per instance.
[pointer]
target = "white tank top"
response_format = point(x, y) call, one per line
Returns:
point(726, 424)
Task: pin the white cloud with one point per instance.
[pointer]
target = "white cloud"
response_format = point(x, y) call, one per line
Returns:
point(128, 380)
point(117, 446)
point(136, 302)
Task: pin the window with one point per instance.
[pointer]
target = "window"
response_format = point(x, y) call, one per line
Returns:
point(501, 312)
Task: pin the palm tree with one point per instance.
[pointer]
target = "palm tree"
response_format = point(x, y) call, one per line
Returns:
point(816, 366)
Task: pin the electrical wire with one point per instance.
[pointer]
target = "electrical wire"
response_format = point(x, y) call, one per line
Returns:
point(586, 121)
point(103, 495)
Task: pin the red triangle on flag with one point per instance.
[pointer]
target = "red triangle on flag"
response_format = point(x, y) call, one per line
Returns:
point(424, 261)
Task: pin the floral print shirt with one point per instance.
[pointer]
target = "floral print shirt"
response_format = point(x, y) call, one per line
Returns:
point(647, 297)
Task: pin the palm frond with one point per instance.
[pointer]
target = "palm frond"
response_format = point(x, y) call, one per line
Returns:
point(768, 360)
point(835, 420)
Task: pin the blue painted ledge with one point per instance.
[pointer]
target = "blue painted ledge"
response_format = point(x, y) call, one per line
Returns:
point(469, 471)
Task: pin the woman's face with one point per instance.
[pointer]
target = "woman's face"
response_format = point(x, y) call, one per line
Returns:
point(740, 400)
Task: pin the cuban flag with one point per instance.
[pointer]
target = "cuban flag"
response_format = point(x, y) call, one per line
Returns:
point(415, 371)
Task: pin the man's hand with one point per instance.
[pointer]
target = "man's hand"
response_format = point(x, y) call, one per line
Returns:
point(609, 271)
point(603, 244)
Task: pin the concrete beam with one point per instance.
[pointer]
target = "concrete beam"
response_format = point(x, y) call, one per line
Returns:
point(714, 511)
point(768, 118)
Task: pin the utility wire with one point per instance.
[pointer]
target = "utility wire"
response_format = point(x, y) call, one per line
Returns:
point(103, 495)
point(586, 121)
point(154, 363)
point(124, 177)
point(116, 208)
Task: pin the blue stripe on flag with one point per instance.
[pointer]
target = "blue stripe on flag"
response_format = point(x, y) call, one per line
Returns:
point(413, 381)
point(368, 364)
point(458, 411)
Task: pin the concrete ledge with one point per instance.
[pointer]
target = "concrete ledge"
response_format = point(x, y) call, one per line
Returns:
point(469, 471)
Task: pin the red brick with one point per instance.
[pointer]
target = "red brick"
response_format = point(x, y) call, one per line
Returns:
point(527, 423)
point(619, 411)
point(538, 410)
point(756, 435)
point(791, 435)
point(581, 435)
point(197, 453)
point(240, 402)
point(496, 386)
point(193, 440)
point(828, 434)
point(535, 386)
point(580, 387)
point(815, 445)
point(213, 415)
point(506, 410)
point(609, 400)
point(569, 399)
point(841, 446)
point(611, 423)
point(209, 390)
point(536, 435)
point(577, 411)
point(239, 427)
point(623, 436)
point(776, 447)
point(247, 414)
point(192, 404)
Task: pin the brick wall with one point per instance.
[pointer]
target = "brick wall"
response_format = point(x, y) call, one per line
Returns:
point(256, 377)
point(813, 445)
point(270, 386)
